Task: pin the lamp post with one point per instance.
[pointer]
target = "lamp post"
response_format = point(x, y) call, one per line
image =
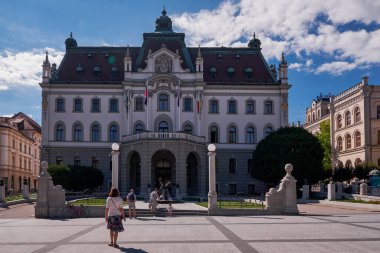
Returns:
point(115, 165)
point(212, 196)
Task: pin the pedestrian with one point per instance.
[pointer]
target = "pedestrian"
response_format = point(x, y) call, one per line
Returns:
point(114, 214)
point(153, 197)
point(170, 209)
point(131, 199)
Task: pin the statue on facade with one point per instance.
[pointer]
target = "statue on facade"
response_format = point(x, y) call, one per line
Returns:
point(163, 64)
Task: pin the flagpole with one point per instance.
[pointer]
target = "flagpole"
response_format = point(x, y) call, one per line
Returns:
point(179, 105)
point(146, 105)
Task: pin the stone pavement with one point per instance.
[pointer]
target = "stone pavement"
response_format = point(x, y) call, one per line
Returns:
point(317, 229)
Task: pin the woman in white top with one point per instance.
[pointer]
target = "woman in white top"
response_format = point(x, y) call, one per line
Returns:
point(114, 214)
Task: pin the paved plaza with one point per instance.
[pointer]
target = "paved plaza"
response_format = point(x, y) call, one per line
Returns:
point(318, 228)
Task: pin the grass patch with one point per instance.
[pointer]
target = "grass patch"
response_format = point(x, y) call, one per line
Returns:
point(91, 202)
point(359, 201)
point(19, 197)
point(233, 204)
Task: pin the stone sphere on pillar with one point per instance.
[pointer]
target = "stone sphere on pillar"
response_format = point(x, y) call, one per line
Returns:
point(211, 147)
point(115, 146)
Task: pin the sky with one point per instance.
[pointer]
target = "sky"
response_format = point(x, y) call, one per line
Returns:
point(329, 45)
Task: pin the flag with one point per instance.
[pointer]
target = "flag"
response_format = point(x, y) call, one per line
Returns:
point(146, 95)
point(178, 99)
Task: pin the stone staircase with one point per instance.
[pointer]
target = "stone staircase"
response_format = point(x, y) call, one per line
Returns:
point(162, 211)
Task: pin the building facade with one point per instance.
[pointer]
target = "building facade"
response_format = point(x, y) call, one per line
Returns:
point(20, 141)
point(354, 117)
point(163, 102)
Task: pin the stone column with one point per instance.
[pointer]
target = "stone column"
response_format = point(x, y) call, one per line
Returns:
point(212, 197)
point(2, 191)
point(331, 194)
point(25, 189)
point(42, 205)
point(363, 189)
point(305, 192)
point(115, 165)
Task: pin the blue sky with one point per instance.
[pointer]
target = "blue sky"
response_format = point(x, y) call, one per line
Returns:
point(329, 45)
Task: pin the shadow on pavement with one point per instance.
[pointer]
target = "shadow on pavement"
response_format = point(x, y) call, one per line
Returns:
point(132, 250)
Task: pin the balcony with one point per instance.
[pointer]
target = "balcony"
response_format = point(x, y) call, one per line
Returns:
point(180, 136)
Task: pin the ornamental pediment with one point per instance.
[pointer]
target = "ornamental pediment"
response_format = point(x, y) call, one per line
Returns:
point(163, 61)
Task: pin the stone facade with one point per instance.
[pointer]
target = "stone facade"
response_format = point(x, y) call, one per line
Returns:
point(20, 141)
point(163, 103)
point(354, 117)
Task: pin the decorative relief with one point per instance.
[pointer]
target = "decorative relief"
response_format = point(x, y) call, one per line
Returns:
point(163, 64)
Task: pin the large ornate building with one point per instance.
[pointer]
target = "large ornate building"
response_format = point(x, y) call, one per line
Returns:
point(20, 141)
point(163, 102)
point(354, 117)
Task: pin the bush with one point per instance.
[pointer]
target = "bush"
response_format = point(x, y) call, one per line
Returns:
point(60, 175)
point(342, 174)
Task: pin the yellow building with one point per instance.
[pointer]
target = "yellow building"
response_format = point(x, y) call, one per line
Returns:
point(20, 141)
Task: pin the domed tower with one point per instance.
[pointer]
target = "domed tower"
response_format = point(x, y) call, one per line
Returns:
point(164, 23)
point(255, 43)
point(70, 42)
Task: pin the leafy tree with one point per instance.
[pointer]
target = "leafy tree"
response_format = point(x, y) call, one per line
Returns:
point(60, 175)
point(342, 174)
point(288, 145)
point(361, 171)
point(324, 139)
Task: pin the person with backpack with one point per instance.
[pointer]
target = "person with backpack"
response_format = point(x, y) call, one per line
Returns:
point(131, 199)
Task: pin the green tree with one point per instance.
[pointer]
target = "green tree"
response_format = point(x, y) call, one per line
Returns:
point(85, 177)
point(60, 175)
point(288, 145)
point(324, 139)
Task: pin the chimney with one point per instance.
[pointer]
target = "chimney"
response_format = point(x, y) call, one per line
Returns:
point(365, 80)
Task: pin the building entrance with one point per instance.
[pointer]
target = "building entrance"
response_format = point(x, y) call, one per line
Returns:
point(163, 176)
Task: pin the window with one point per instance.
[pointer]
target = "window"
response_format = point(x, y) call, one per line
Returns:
point(114, 105)
point(308, 118)
point(231, 106)
point(163, 126)
point(339, 121)
point(188, 129)
point(95, 162)
point(318, 113)
point(250, 107)
point(250, 167)
point(348, 164)
point(248, 73)
point(78, 105)
point(348, 141)
point(268, 107)
point(214, 108)
point(113, 133)
point(139, 104)
point(213, 73)
point(339, 143)
point(95, 133)
point(60, 132)
point(313, 116)
point(163, 104)
point(78, 132)
point(348, 118)
point(232, 166)
point(231, 134)
point(95, 105)
point(96, 70)
point(230, 73)
point(357, 115)
point(139, 128)
point(250, 135)
point(358, 140)
point(358, 162)
point(77, 161)
point(267, 131)
point(60, 105)
point(214, 133)
point(378, 112)
point(59, 160)
point(187, 105)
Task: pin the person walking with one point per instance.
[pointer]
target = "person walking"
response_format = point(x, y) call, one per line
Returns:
point(131, 199)
point(114, 213)
point(153, 197)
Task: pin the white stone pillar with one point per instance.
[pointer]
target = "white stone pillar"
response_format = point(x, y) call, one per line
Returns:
point(331, 194)
point(305, 192)
point(212, 197)
point(25, 189)
point(2, 191)
point(363, 189)
point(115, 165)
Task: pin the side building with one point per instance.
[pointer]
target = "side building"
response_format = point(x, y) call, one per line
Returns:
point(354, 117)
point(20, 141)
point(163, 102)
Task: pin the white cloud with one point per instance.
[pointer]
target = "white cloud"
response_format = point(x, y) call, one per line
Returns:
point(24, 68)
point(305, 28)
point(295, 65)
point(336, 68)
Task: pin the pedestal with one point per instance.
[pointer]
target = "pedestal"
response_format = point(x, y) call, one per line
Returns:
point(212, 196)
point(115, 169)
point(25, 191)
point(305, 192)
point(363, 189)
point(331, 194)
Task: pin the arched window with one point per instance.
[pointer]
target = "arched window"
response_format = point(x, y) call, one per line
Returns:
point(187, 105)
point(113, 133)
point(313, 116)
point(76, 161)
point(78, 105)
point(139, 104)
point(358, 139)
point(358, 162)
point(348, 118)
point(250, 135)
point(163, 126)
point(60, 132)
point(214, 133)
point(163, 103)
point(231, 134)
point(139, 128)
point(339, 143)
point(59, 160)
point(339, 121)
point(348, 141)
point(268, 107)
point(188, 129)
point(267, 131)
point(348, 164)
point(95, 133)
point(357, 115)
point(78, 132)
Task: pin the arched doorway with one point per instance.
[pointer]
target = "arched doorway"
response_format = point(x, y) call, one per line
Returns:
point(135, 173)
point(164, 169)
point(191, 174)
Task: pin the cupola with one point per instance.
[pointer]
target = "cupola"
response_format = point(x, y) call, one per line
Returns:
point(255, 43)
point(70, 42)
point(164, 23)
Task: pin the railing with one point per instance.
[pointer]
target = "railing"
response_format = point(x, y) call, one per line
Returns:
point(164, 136)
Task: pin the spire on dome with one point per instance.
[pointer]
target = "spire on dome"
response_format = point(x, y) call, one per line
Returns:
point(70, 42)
point(255, 43)
point(164, 23)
